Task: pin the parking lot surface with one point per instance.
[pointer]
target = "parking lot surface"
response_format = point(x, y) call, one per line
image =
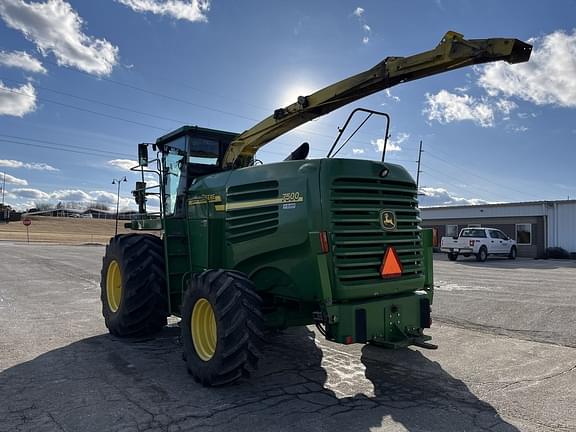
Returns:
point(61, 371)
point(525, 298)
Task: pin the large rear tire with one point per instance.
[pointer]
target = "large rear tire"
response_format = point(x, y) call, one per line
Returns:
point(133, 285)
point(222, 327)
point(482, 254)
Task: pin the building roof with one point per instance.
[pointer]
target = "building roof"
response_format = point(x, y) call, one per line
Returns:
point(519, 209)
point(512, 204)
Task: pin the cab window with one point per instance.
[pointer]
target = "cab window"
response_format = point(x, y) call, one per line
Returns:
point(470, 232)
point(203, 151)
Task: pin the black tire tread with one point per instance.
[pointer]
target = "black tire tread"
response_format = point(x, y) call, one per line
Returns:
point(240, 326)
point(144, 306)
point(479, 254)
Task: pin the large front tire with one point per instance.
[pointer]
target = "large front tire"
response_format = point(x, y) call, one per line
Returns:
point(222, 327)
point(133, 285)
point(513, 253)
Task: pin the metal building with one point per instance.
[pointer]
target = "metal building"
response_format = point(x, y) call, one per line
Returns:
point(534, 225)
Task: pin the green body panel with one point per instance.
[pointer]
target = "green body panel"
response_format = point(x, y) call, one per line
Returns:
point(266, 220)
point(388, 320)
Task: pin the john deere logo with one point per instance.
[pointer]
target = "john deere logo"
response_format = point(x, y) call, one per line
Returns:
point(388, 220)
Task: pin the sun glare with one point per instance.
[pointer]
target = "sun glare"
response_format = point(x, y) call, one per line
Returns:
point(290, 95)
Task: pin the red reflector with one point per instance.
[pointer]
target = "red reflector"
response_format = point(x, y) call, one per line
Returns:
point(324, 242)
point(348, 340)
point(391, 265)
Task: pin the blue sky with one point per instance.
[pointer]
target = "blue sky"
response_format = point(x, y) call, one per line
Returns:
point(83, 81)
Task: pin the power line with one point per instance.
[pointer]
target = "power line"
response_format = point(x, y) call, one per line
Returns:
point(99, 102)
point(85, 110)
point(184, 101)
point(154, 93)
point(58, 147)
point(61, 144)
point(467, 189)
point(481, 177)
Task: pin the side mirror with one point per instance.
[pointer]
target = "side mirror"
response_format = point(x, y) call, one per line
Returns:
point(143, 155)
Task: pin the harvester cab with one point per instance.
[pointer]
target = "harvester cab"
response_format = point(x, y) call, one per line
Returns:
point(246, 246)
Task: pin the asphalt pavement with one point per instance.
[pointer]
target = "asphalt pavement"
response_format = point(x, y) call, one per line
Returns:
point(523, 298)
point(61, 371)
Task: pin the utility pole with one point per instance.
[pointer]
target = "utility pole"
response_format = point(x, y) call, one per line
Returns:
point(118, 182)
point(419, 171)
point(4, 212)
point(3, 188)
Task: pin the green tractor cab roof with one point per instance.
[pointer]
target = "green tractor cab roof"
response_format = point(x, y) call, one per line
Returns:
point(194, 131)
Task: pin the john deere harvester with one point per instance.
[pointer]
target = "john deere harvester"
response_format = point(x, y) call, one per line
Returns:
point(246, 246)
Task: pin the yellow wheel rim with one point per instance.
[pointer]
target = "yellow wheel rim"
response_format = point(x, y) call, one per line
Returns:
point(113, 285)
point(203, 329)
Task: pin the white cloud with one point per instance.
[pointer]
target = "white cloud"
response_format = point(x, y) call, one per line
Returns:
point(123, 164)
point(391, 96)
point(13, 180)
point(393, 144)
point(191, 10)
point(506, 106)
point(548, 78)
point(357, 151)
point(431, 196)
point(17, 101)
point(21, 60)
point(70, 195)
point(520, 129)
point(30, 193)
point(359, 14)
point(55, 27)
point(524, 115)
point(9, 163)
point(76, 196)
point(446, 107)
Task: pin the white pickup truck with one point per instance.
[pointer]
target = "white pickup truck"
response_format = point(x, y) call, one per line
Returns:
point(480, 242)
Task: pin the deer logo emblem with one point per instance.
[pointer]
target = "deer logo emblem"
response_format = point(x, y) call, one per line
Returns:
point(388, 220)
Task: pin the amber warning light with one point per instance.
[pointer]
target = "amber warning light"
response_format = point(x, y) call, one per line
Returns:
point(391, 266)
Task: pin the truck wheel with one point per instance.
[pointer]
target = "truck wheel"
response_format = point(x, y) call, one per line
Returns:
point(133, 285)
point(222, 327)
point(513, 253)
point(452, 256)
point(482, 254)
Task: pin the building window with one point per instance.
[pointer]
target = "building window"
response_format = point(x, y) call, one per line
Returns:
point(474, 225)
point(451, 230)
point(524, 234)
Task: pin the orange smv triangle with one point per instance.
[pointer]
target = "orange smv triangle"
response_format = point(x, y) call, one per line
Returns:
point(391, 266)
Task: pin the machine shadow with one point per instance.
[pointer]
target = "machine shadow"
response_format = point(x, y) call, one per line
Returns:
point(105, 384)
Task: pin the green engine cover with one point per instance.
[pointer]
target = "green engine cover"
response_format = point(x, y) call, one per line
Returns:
point(312, 235)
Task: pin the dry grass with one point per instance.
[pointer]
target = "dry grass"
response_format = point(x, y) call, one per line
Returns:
point(62, 230)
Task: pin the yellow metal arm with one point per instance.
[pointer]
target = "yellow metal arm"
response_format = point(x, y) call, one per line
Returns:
point(452, 52)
